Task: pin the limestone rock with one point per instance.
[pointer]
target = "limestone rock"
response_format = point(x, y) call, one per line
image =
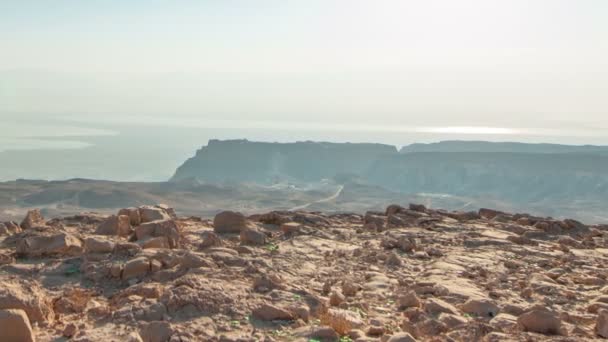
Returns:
point(32, 219)
point(163, 228)
point(541, 321)
point(267, 312)
point(229, 222)
point(115, 225)
point(136, 268)
point(601, 324)
point(150, 214)
point(15, 326)
point(58, 244)
point(133, 214)
point(29, 297)
point(252, 236)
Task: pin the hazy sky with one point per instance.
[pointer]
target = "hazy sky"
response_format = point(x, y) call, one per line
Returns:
point(492, 63)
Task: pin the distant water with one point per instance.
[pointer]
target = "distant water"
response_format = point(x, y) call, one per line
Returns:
point(135, 148)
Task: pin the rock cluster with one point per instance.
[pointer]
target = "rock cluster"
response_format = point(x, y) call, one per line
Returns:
point(409, 273)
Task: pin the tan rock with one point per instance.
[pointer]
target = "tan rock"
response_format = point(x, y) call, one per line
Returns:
point(336, 298)
point(267, 312)
point(15, 326)
point(133, 214)
point(98, 245)
point(155, 242)
point(601, 324)
point(115, 225)
point(58, 244)
point(136, 268)
point(401, 337)
point(322, 333)
point(541, 321)
point(480, 308)
point(210, 239)
point(156, 332)
point(32, 219)
point(29, 297)
point(164, 228)
point(150, 214)
point(436, 306)
point(252, 236)
point(408, 300)
point(290, 228)
point(229, 222)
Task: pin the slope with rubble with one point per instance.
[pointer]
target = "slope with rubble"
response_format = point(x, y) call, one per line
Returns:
point(404, 274)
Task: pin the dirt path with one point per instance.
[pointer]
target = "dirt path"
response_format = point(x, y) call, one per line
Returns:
point(327, 199)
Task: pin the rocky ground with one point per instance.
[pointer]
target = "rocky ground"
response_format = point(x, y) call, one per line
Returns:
point(406, 274)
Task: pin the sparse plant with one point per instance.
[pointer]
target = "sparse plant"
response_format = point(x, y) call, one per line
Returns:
point(272, 247)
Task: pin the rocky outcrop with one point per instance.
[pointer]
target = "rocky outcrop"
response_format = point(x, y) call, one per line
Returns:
point(407, 273)
point(246, 161)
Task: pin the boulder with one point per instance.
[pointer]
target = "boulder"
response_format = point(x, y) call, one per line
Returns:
point(210, 239)
point(393, 209)
point(155, 242)
point(29, 297)
point(167, 209)
point(267, 312)
point(163, 228)
point(136, 268)
point(229, 222)
point(252, 236)
point(115, 225)
point(133, 214)
point(149, 214)
point(401, 337)
point(409, 300)
point(541, 321)
point(32, 219)
point(480, 308)
point(319, 333)
point(9, 228)
point(58, 244)
point(98, 245)
point(436, 306)
point(601, 324)
point(291, 228)
point(15, 326)
point(157, 331)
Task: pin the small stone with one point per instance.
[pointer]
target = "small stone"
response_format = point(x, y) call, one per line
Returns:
point(336, 298)
point(541, 321)
point(267, 312)
point(409, 300)
point(601, 324)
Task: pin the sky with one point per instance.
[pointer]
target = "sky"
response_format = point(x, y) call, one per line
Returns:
point(482, 66)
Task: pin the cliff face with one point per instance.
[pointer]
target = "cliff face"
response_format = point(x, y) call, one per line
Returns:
point(511, 176)
point(245, 161)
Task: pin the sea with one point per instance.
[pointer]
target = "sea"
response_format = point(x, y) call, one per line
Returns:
point(144, 148)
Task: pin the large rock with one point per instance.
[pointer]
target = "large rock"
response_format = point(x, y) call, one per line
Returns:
point(252, 236)
point(98, 245)
point(267, 312)
point(58, 244)
point(26, 296)
point(402, 337)
point(33, 219)
point(115, 225)
point(165, 228)
point(541, 321)
point(601, 324)
point(149, 214)
point(9, 228)
point(229, 222)
point(436, 306)
point(157, 331)
point(137, 267)
point(133, 214)
point(481, 308)
point(15, 326)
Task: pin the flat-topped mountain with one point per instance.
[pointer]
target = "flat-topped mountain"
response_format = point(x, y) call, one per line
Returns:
point(246, 161)
point(488, 146)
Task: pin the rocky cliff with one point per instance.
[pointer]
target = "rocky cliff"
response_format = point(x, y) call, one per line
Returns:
point(246, 161)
